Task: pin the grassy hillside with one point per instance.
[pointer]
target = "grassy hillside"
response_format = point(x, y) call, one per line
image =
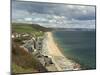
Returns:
point(22, 27)
point(23, 62)
point(33, 29)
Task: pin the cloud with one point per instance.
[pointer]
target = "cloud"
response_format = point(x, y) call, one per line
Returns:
point(54, 15)
point(28, 19)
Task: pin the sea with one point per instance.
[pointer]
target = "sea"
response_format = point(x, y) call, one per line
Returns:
point(79, 46)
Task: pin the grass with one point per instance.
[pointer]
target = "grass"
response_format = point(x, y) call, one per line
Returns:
point(27, 28)
point(18, 69)
point(21, 28)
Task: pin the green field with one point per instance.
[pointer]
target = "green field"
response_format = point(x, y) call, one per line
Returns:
point(19, 27)
point(28, 28)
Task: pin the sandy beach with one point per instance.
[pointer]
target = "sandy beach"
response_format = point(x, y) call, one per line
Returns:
point(61, 62)
point(52, 47)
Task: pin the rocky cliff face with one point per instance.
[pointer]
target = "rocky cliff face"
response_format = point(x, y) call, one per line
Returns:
point(23, 61)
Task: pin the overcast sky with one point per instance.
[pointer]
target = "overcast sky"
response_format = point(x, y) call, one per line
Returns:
point(54, 15)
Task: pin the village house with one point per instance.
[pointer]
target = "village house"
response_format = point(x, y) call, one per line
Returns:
point(16, 35)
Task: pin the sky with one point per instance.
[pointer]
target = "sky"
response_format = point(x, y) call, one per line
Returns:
point(54, 15)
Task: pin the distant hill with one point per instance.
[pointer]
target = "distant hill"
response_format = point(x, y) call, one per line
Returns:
point(23, 27)
point(36, 26)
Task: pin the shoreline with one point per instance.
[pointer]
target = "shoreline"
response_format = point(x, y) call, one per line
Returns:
point(52, 45)
point(60, 61)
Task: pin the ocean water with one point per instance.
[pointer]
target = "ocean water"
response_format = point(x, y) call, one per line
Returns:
point(80, 46)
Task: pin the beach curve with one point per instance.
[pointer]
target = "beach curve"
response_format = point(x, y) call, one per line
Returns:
point(60, 61)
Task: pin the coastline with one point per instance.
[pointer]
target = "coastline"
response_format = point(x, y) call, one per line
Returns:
point(52, 46)
point(61, 62)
